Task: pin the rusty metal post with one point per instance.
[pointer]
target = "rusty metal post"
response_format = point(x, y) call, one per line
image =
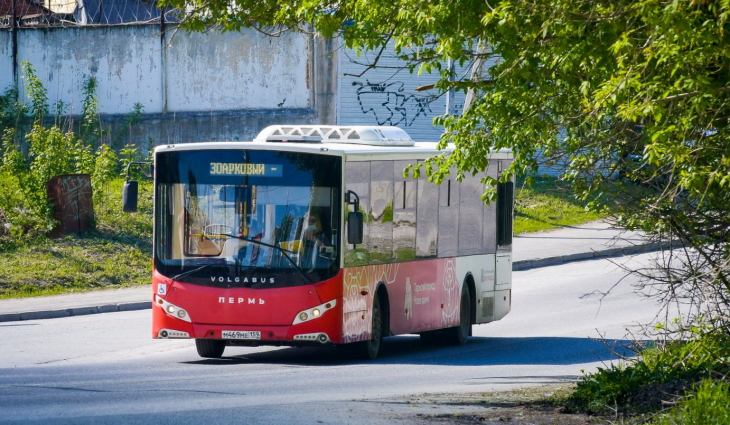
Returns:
point(72, 203)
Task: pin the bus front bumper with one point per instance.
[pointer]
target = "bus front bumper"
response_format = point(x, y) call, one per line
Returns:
point(323, 330)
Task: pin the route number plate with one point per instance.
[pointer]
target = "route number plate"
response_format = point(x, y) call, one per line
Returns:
point(241, 335)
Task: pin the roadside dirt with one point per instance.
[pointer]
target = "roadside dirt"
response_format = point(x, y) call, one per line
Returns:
point(527, 406)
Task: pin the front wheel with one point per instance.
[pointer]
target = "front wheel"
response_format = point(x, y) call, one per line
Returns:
point(210, 348)
point(369, 349)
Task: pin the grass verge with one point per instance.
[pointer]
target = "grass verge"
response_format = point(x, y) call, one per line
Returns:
point(548, 204)
point(117, 254)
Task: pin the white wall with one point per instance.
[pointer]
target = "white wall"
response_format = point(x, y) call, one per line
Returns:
point(125, 61)
point(223, 71)
point(206, 72)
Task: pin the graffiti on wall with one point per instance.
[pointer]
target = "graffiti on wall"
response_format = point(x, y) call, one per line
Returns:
point(390, 104)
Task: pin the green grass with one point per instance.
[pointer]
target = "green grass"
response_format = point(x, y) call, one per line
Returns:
point(548, 204)
point(71, 264)
point(707, 404)
point(117, 254)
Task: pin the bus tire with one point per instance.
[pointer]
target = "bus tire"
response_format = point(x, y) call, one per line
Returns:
point(458, 335)
point(210, 348)
point(369, 349)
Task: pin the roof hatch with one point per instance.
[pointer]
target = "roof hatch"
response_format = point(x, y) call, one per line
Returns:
point(358, 134)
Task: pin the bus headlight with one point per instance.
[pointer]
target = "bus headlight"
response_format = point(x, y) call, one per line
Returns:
point(172, 309)
point(314, 312)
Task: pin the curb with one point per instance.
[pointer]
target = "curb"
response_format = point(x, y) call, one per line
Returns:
point(76, 311)
point(604, 253)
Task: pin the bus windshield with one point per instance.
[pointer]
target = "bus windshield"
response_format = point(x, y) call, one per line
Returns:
point(242, 218)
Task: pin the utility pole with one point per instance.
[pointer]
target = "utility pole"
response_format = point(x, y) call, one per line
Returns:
point(450, 93)
point(476, 74)
point(14, 46)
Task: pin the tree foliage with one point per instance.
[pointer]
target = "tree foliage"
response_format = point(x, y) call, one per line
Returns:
point(631, 96)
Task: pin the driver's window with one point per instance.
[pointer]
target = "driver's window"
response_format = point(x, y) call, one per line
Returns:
point(210, 216)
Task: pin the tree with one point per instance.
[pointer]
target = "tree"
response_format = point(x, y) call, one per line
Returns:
point(633, 96)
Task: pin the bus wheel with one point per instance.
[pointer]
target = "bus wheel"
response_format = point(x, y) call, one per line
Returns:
point(210, 348)
point(458, 335)
point(369, 349)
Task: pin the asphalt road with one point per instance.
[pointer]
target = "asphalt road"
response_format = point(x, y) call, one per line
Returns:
point(104, 368)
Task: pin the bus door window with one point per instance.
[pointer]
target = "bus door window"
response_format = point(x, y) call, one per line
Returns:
point(358, 181)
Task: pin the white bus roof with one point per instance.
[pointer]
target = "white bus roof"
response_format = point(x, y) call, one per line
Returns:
point(372, 142)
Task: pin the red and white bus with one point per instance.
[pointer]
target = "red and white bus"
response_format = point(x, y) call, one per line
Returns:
point(310, 235)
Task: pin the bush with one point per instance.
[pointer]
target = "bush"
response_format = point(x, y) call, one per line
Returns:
point(51, 151)
point(661, 372)
point(708, 405)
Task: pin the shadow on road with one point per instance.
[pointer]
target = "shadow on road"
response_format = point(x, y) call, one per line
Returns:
point(479, 351)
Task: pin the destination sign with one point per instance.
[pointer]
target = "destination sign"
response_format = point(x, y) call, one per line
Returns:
point(236, 169)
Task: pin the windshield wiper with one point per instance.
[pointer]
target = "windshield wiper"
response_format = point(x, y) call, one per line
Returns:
point(280, 249)
point(189, 272)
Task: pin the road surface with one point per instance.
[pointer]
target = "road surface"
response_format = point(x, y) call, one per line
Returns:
point(105, 368)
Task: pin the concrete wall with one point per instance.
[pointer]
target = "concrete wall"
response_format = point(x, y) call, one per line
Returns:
point(6, 61)
point(125, 61)
point(225, 71)
point(326, 79)
point(193, 87)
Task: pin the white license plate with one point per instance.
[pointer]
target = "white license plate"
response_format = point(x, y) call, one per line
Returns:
point(241, 335)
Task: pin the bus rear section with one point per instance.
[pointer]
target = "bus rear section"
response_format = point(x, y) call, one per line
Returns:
point(251, 243)
point(437, 257)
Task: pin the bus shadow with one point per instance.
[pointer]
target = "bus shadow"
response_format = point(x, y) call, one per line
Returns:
point(479, 351)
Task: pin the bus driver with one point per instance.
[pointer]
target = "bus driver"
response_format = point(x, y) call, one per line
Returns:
point(314, 242)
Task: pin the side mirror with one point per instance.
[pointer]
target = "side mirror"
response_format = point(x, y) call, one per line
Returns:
point(129, 196)
point(354, 227)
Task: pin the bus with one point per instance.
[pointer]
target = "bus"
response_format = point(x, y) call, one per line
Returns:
point(311, 235)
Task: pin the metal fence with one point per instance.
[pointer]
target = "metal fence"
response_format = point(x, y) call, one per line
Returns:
point(72, 13)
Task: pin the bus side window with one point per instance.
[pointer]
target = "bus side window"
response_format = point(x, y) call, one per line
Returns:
point(380, 242)
point(404, 214)
point(358, 180)
point(448, 228)
point(427, 218)
point(470, 215)
point(505, 201)
point(490, 215)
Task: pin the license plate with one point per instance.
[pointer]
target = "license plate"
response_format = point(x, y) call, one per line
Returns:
point(241, 335)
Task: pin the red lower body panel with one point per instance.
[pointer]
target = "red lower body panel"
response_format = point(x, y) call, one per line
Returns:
point(328, 323)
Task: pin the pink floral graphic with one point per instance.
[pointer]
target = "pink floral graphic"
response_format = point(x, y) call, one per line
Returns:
point(355, 304)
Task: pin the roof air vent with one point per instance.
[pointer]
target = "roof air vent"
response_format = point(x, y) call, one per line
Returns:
point(361, 135)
